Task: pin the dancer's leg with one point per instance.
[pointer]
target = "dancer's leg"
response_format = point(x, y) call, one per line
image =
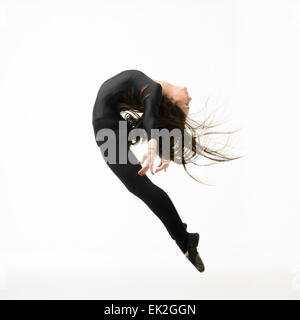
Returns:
point(152, 195)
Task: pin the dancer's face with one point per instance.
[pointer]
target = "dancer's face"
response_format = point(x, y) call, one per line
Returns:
point(182, 99)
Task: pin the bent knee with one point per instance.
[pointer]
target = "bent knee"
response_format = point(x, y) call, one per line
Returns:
point(134, 189)
point(140, 188)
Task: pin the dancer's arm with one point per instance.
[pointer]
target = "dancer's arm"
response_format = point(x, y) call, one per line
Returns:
point(151, 109)
point(150, 117)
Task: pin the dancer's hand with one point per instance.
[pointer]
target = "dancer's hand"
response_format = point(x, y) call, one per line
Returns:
point(164, 164)
point(150, 155)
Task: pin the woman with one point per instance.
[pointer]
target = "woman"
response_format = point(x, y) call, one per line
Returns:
point(162, 105)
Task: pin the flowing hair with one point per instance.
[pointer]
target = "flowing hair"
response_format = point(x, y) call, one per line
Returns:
point(172, 117)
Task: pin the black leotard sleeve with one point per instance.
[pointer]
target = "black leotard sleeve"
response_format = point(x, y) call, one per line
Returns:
point(111, 91)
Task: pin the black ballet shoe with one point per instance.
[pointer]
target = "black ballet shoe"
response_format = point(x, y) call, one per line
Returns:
point(193, 254)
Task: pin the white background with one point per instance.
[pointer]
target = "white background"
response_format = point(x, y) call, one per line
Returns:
point(70, 229)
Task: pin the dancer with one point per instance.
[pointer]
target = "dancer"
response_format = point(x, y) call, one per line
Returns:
point(162, 105)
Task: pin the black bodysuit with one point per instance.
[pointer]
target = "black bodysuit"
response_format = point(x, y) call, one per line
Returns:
point(106, 115)
point(111, 92)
